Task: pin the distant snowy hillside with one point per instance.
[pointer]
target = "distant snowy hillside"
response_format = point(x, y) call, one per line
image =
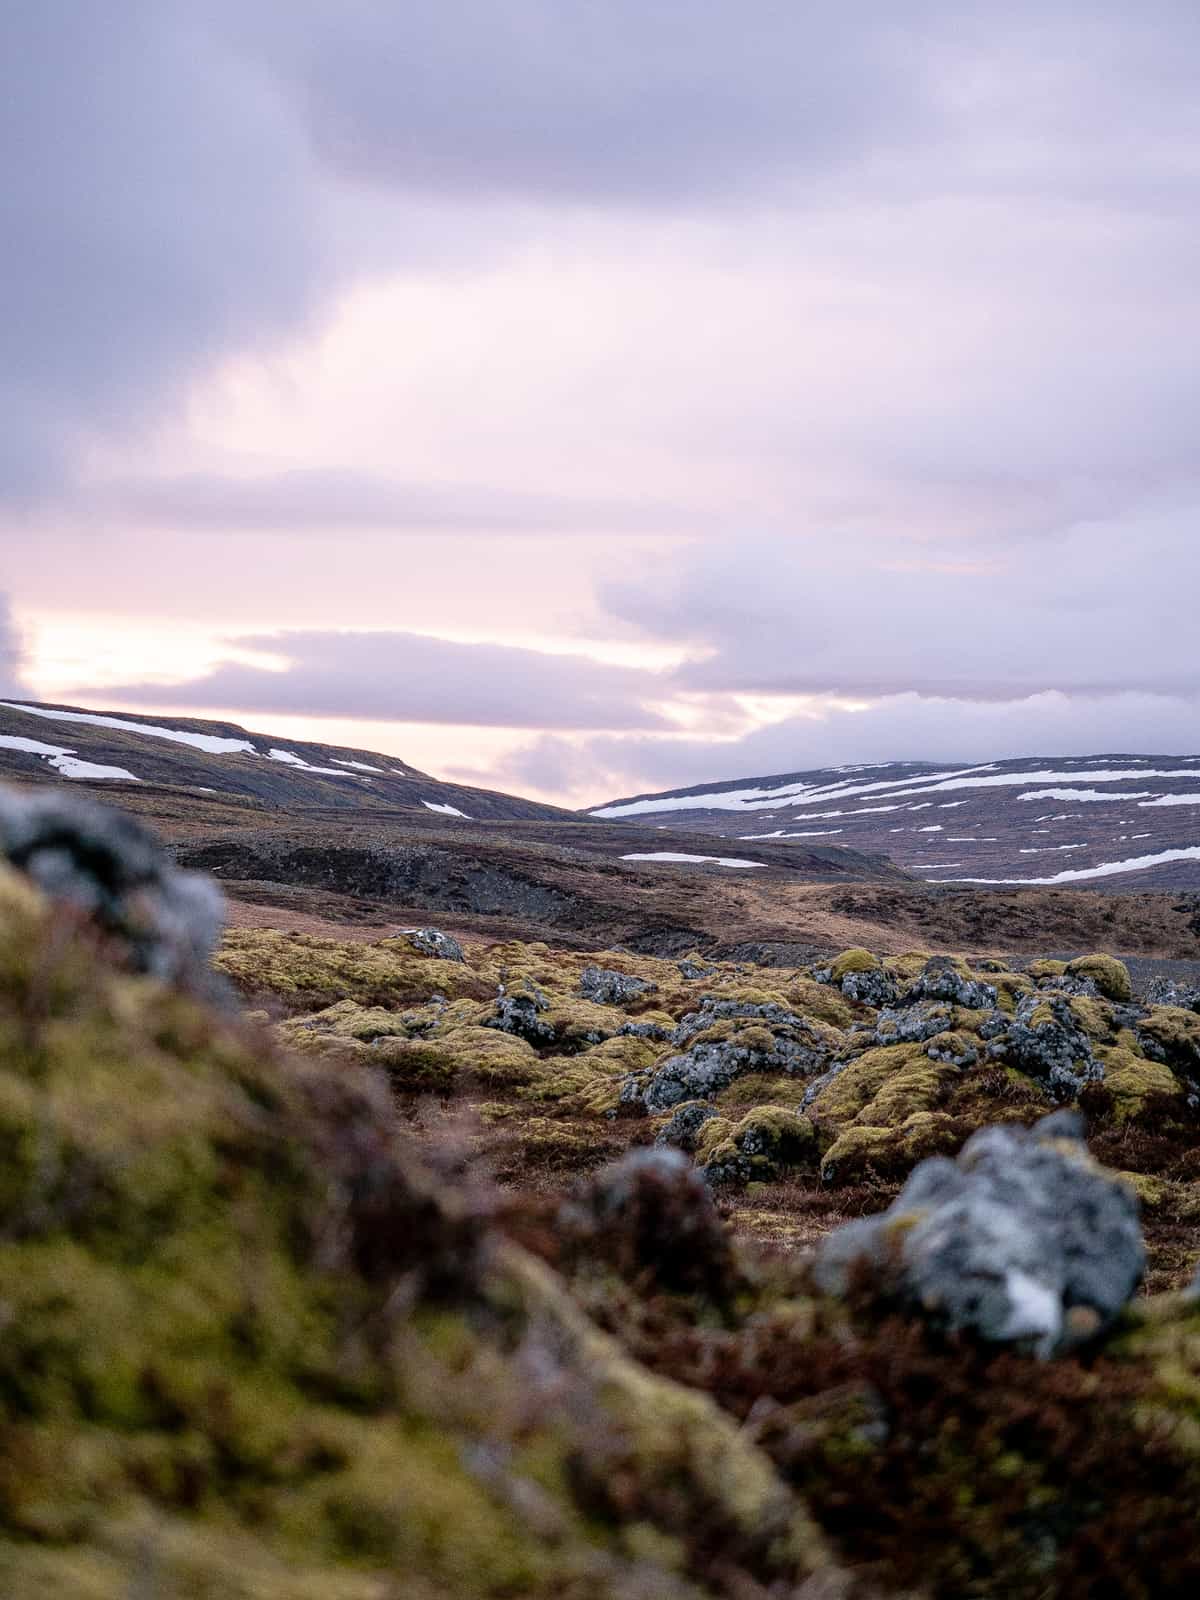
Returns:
point(1112, 820)
point(39, 742)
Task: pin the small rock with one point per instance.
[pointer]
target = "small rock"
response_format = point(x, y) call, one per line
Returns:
point(913, 1023)
point(608, 988)
point(520, 1014)
point(876, 987)
point(1086, 988)
point(651, 1215)
point(1164, 991)
point(785, 1042)
point(691, 970)
point(681, 1130)
point(433, 942)
point(940, 979)
point(644, 1030)
point(1110, 976)
point(955, 1050)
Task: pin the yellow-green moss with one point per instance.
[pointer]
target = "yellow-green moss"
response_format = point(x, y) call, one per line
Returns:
point(203, 1392)
point(919, 1085)
point(304, 970)
point(347, 1020)
point(818, 1001)
point(1009, 986)
point(482, 1055)
point(1094, 1016)
point(857, 1084)
point(1109, 975)
point(759, 1088)
point(713, 1133)
point(855, 959)
point(1045, 968)
point(1131, 1079)
point(1176, 1031)
point(862, 1149)
point(911, 963)
point(766, 1140)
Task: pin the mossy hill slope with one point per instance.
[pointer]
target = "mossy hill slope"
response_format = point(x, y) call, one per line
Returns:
point(269, 1332)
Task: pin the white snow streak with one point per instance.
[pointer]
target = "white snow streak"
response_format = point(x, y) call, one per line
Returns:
point(290, 759)
point(671, 855)
point(806, 833)
point(65, 761)
point(1107, 869)
point(1083, 794)
point(213, 743)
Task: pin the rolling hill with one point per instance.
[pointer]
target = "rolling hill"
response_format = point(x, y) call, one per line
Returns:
point(122, 749)
point(1104, 821)
point(329, 839)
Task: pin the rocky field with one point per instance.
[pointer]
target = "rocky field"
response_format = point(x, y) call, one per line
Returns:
point(421, 1267)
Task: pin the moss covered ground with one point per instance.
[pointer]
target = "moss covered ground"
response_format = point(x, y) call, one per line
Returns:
point(328, 1299)
point(542, 1108)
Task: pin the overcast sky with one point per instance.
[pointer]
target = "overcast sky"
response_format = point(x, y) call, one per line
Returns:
point(592, 396)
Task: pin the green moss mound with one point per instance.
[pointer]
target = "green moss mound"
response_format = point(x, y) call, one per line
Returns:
point(853, 960)
point(1109, 975)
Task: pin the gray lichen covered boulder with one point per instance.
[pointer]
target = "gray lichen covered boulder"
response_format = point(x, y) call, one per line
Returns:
point(727, 1039)
point(943, 979)
point(433, 942)
point(1022, 1240)
point(682, 1128)
point(605, 987)
point(1166, 991)
point(1047, 1040)
point(521, 1014)
point(116, 874)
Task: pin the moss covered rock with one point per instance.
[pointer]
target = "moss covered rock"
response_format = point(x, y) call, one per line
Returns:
point(853, 960)
point(760, 1146)
point(1109, 975)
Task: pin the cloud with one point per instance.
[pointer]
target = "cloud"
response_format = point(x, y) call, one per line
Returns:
point(159, 210)
point(653, 103)
point(318, 500)
point(10, 651)
point(1099, 608)
point(180, 183)
point(615, 102)
point(905, 727)
point(410, 677)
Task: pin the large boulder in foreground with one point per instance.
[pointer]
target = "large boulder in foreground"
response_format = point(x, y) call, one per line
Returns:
point(111, 871)
point(1023, 1240)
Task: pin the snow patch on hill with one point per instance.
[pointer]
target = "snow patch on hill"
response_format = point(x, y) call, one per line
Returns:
point(65, 761)
point(672, 855)
point(213, 743)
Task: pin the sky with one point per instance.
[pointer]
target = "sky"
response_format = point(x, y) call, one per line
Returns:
point(590, 397)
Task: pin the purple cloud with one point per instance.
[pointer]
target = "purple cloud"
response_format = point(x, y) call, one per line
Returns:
point(1099, 608)
point(410, 677)
point(316, 500)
